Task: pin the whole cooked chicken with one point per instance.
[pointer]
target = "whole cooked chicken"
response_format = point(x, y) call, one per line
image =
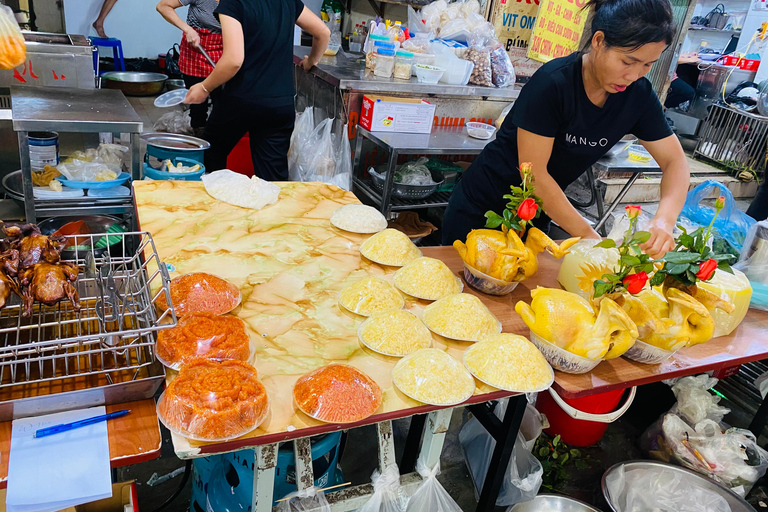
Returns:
point(569, 321)
point(504, 256)
point(33, 246)
point(49, 283)
point(9, 266)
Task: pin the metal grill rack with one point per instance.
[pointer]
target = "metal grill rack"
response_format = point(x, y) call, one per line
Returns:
point(733, 138)
point(108, 336)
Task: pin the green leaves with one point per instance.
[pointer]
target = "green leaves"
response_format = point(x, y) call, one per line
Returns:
point(641, 236)
point(681, 257)
point(494, 220)
point(556, 458)
point(658, 278)
point(608, 243)
point(630, 261)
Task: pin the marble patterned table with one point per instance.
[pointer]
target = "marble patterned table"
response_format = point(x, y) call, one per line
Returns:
point(290, 265)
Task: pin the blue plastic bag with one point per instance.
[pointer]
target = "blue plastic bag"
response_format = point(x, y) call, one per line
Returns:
point(732, 224)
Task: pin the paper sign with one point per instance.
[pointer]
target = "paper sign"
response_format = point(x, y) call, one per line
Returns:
point(513, 21)
point(558, 29)
point(58, 471)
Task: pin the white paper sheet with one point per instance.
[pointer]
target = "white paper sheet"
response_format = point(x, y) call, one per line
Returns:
point(58, 471)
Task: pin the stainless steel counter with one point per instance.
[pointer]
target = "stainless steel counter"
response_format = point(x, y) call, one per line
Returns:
point(344, 71)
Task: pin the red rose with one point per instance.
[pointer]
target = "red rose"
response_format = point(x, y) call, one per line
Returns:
point(706, 269)
point(527, 209)
point(635, 282)
point(633, 211)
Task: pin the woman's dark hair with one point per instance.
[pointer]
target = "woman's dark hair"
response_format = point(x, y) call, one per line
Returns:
point(633, 23)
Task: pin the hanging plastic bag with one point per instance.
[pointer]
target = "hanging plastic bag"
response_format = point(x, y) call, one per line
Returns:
point(387, 496)
point(415, 23)
point(177, 121)
point(732, 224)
point(502, 70)
point(431, 496)
point(642, 490)
point(13, 49)
point(308, 500)
point(478, 54)
point(343, 176)
point(694, 401)
point(524, 474)
point(302, 132)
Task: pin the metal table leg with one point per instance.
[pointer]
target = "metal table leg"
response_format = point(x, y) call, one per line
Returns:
point(386, 194)
point(137, 171)
point(434, 437)
point(358, 151)
point(26, 177)
point(601, 223)
point(505, 433)
point(760, 420)
point(264, 477)
point(412, 442)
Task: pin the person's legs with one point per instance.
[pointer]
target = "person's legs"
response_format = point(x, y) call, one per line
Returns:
point(198, 113)
point(679, 93)
point(99, 23)
point(758, 209)
point(270, 135)
point(225, 127)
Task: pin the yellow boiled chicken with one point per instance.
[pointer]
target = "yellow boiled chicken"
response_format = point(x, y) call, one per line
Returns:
point(569, 321)
point(504, 256)
point(734, 288)
point(669, 322)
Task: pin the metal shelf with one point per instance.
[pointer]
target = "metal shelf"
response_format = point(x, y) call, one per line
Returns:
point(435, 200)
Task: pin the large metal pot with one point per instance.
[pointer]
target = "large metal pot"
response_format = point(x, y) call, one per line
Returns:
point(134, 83)
point(552, 502)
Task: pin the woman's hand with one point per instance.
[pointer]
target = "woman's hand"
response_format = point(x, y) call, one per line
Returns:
point(193, 38)
point(196, 94)
point(306, 65)
point(661, 241)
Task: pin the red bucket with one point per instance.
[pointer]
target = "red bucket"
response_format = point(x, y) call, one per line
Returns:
point(582, 421)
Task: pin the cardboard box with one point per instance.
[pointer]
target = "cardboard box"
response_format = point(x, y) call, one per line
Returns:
point(123, 500)
point(404, 115)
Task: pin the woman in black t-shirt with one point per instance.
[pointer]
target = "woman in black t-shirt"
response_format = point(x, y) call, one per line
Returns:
point(571, 112)
point(256, 75)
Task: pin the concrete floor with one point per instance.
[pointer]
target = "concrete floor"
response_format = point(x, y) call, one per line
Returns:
point(359, 458)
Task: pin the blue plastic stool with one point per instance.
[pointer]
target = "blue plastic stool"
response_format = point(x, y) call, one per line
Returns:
point(117, 52)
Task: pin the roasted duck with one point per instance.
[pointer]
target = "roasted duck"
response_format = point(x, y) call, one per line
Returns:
point(49, 283)
point(33, 246)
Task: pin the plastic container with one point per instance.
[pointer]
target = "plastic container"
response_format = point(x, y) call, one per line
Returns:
point(433, 377)
point(395, 333)
point(370, 295)
point(639, 154)
point(163, 175)
point(561, 359)
point(199, 292)
point(427, 279)
point(485, 283)
point(457, 73)
point(171, 98)
point(43, 150)
point(204, 336)
point(427, 59)
point(384, 63)
point(428, 74)
point(496, 359)
point(403, 64)
point(213, 401)
point(66, 193)
point(582, 421)
point(461, 317)
point(118, 191)
point(642, 352)
point(480, 130)
point(333, 49)
point(370, 55)
point(337, 393)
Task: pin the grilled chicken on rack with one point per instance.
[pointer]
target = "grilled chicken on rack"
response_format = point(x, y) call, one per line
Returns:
point(33, 246)
point(9, 267)
point(49, 283)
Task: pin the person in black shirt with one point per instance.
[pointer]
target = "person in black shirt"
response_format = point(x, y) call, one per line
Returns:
point(571, 112)
point(256, 75)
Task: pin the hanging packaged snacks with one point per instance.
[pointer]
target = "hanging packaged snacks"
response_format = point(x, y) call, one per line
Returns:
point(13, 49)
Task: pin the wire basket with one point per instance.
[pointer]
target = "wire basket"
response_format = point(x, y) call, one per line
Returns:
point(111, 335)
point(402, 190)
point(734, 138)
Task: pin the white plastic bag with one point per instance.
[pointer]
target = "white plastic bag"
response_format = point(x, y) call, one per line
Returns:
point(319, 154)
point(302, 132)
point(431, 496)
point(524, 474)
point(177, 121)
point(387, 495)
point(415, 23)
point(13, 48)
point(694, 401)
point(239, 190)
point(81, 170)
point(308, 500)
point(641, 490)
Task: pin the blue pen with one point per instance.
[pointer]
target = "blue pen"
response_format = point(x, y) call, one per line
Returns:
point(49, 431)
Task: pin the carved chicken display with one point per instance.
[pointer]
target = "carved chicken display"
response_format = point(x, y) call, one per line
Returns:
point(30, 266)
point(504, 256)
point(570, 322)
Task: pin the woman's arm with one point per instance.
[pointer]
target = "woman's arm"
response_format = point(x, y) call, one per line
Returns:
point(675, 180)
point(321, 35)
point(167, 8)
point(229, 63)
point(537, 150)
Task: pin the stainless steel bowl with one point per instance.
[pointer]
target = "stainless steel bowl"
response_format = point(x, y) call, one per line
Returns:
point(95, 223)
point(134, 83)
point(174, 83)
point(553, 502)
point(737, 503)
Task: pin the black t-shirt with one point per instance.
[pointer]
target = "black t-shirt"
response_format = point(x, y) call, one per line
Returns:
point(266, 76)
point(554, 104)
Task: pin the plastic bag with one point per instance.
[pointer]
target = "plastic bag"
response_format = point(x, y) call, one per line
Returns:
point(217, 337)
point(234, 402)
point(732, 224)
point(308, 500)
point(414, 172)
point(431, 14)
point(13, 48)
point(503, 73)
point(418, 44)
point(237, 189)
point(319, 154)
point(387, 493)
point(82, 170)
point(457, 29)
point(337, 393)
point(177, 121)
point(524, 474)
point(343, 176)
point(416, 25)
point(198, 292)
point(302, 132)
point(470, 7)
point(431, 495)
point(641, 490)
point(694, 401)
point(480, 56)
